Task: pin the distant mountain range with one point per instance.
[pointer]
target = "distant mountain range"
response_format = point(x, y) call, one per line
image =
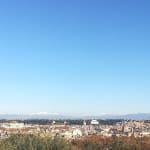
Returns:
point(44, 115)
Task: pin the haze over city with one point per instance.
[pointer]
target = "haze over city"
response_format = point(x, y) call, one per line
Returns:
point(74, 57)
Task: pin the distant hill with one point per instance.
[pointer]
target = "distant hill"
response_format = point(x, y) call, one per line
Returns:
point(137, 116)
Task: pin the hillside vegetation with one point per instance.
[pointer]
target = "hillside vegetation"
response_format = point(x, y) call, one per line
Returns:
point(31, 142)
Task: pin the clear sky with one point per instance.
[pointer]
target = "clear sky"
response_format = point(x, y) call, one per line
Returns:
point(75, 56)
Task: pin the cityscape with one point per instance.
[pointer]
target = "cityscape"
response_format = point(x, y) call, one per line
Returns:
point(74, 74)
point(72, 129)
point(81, 134)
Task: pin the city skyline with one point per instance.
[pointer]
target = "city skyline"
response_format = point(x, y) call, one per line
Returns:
point(74, 57)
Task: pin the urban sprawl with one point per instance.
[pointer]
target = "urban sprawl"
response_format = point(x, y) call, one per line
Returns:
point(72, 130)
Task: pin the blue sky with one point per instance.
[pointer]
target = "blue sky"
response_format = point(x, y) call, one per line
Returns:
point(73, 56)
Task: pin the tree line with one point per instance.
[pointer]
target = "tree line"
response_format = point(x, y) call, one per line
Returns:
point(61, 121)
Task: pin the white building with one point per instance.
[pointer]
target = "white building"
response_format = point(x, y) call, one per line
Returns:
point(14, 125)
point(77, 133)
point(94, 122)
